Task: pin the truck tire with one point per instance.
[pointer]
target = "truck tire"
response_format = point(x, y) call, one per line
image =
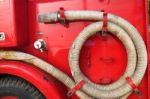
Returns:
point(17, 88)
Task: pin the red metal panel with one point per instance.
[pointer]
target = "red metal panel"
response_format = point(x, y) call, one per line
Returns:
point(103, 59)
point(13, 22)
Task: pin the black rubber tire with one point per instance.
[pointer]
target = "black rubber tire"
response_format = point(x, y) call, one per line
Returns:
point(13, 86)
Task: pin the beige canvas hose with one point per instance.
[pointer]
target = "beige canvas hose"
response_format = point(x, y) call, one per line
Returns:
point(35, 61)
point(130, 37)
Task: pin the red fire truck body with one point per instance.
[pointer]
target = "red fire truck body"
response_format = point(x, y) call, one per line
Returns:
point(103, 59)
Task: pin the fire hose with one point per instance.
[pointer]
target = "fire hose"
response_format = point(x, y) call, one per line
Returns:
point(127, 33)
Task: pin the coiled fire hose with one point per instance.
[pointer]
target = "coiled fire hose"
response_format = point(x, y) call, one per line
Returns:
point(130, 37)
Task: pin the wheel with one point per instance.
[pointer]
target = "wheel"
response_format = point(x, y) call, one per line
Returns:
point(16, 88)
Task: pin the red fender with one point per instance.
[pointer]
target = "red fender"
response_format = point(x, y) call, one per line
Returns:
point(42, 81)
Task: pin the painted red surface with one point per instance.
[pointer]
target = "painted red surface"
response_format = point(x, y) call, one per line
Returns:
point(45, 83)
point(13, 16)
point(9, 97)
point(103, 59)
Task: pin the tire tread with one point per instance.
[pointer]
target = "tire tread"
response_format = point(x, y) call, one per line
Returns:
point(15, 82)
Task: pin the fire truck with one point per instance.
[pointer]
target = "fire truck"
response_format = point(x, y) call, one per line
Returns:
point(74, 49)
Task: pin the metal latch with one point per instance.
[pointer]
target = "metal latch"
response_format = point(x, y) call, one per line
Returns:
point(40, 44)
point(2, 36)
